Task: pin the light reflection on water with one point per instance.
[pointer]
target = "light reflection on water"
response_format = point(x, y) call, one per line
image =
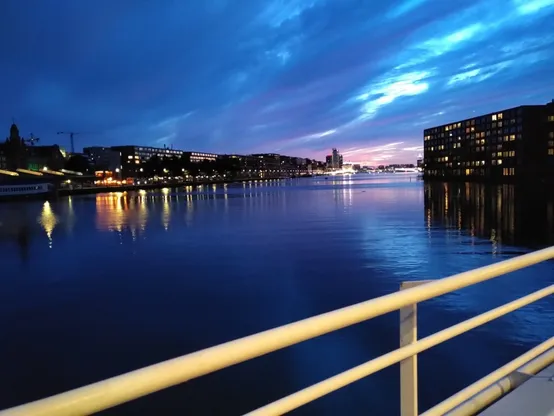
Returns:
point(113, 282)
point(48, 221)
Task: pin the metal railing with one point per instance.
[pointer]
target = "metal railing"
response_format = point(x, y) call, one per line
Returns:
point(120, 389)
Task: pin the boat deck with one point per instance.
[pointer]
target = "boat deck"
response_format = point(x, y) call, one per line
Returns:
point(535, 397)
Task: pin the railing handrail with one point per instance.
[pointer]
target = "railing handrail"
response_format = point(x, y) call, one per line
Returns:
point(120, 389)
point(309, 394)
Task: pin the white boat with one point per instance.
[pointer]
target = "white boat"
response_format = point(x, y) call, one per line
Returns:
point(10, 191)
point(406, 170)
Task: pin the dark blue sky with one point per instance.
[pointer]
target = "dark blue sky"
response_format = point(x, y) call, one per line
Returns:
point(288, 76)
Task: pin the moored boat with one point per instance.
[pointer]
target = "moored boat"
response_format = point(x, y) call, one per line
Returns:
point(13, 191)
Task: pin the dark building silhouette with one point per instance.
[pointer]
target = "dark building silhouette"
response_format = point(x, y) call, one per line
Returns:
point(103, 158)
point(502, 146)
point(15, 154)
point(3, 157)
point(13, 151)
point(39, 157)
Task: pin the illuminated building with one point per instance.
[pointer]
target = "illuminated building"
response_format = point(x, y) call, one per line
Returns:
point(133, 156)
point(502, 146)
point(197, 157)
point(335, 159)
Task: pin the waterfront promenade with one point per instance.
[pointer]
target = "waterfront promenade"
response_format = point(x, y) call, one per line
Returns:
point(158, 185)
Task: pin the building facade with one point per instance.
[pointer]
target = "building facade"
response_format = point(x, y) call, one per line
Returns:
point(45, 157)
point(132, 157)
point(3, 158)
point(103, 158)
point(197, 157)
point(501, 146)
point(334, 160)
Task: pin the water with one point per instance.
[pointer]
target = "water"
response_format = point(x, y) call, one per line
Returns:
point(95, 286)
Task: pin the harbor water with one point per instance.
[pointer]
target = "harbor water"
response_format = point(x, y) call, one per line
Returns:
point(95, 286)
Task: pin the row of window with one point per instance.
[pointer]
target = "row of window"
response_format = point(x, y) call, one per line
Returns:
point(20, 189)
point(472, 125)
point(487, 133)
point(458, 145)
point(481, 120)
point(469, 172)
point(457, 172)
point(495, 162)
point(150, 150)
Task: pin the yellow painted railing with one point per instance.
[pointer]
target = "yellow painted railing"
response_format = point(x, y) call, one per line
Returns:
point(120, 389)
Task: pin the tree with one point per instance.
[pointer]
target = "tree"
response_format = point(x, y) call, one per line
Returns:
point(227, 166)
point(77, 163)
point(153, 167)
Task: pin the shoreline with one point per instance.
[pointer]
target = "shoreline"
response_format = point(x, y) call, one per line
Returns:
point(126, 188)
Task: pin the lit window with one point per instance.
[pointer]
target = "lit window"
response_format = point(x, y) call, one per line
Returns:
point(550, 118)
point(494, 117)
point(551, 152)
point(499, 161)
point(500, 116)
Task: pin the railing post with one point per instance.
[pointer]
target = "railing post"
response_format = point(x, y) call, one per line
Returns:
point(408, 367)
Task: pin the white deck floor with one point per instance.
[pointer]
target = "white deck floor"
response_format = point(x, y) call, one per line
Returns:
point(535, 397)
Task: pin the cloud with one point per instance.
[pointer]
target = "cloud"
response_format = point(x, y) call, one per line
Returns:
point(294, 76)
point(405, 7)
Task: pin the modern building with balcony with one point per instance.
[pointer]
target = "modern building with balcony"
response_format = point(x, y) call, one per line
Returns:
point(507, 145)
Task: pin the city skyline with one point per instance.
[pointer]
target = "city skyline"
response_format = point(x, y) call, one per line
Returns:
point(289, 77)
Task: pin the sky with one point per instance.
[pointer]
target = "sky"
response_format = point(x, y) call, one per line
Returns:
point(285, 76)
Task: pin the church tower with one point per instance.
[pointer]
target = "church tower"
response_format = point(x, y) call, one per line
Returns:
point(16, 153)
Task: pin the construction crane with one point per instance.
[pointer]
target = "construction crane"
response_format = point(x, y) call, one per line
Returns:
point(71, 135)
point(31, 140)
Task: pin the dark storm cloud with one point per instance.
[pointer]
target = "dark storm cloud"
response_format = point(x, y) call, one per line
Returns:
point(295, 77)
